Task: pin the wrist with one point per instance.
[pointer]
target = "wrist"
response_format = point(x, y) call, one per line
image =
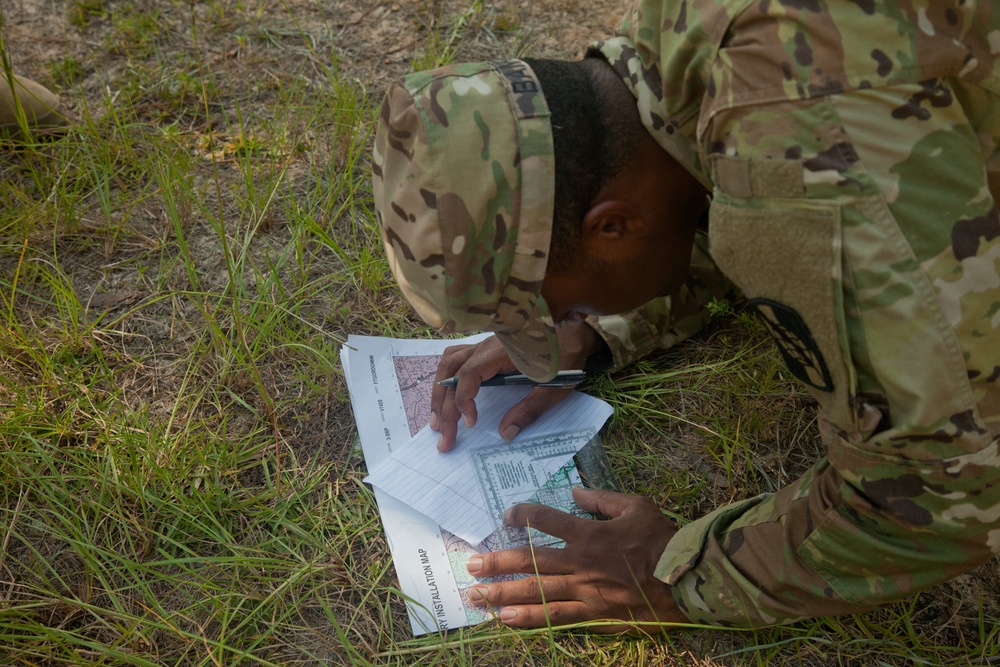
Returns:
point(578, 342)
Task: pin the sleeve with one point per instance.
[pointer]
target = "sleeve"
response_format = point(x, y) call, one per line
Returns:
point(878, 276)
point(664, 322)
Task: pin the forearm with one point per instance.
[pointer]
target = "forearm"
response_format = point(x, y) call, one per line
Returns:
point(834, 543)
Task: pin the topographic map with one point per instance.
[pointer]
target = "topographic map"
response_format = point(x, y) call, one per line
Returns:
point(390, 382)
point(415, 375)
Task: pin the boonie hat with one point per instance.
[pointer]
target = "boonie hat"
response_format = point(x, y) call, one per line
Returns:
point(464, 179)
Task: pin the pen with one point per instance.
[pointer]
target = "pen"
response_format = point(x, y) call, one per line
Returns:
point(563, 379)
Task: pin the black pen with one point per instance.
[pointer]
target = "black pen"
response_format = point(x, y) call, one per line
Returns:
point(563, 380)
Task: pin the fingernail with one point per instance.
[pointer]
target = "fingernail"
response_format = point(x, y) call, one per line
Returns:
point(478, 594)
point(508, 614)
point(441, 444)
point(474, 565)
point(467, 420)
point(434, 423)
point(510, 432)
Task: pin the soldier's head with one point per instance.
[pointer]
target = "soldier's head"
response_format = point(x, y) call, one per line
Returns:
point(506, 210)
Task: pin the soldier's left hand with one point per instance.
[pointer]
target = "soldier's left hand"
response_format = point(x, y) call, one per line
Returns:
point(605, 571)
point(471, 364)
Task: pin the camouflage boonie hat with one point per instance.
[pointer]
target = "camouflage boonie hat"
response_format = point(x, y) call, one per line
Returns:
point(464, 174)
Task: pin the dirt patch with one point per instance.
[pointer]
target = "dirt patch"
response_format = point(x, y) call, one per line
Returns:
point(370, 40)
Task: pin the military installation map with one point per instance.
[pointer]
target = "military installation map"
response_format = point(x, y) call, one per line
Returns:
point(390, 383)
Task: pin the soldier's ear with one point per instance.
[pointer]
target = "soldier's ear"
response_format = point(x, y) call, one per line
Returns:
point(612, 230)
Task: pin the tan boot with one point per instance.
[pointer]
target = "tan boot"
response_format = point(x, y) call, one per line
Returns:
point(39, 104)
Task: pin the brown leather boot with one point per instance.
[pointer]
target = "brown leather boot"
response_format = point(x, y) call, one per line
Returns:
point(39, 105)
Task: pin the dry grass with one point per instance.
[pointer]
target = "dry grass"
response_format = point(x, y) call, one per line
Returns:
point(180, 484)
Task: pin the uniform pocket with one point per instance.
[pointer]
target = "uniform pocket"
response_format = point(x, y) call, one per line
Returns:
point(785, 255)
point(906, 524)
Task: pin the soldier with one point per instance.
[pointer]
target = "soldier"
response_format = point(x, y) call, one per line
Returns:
point(844, 153)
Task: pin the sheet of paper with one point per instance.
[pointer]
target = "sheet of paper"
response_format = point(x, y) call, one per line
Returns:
point(389, 408)
point(390, 383)
point(467, 490)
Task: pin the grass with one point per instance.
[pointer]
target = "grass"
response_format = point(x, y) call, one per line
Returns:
point(179, 480)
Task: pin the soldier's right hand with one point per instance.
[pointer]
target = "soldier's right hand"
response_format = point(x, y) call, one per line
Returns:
point(472, 364)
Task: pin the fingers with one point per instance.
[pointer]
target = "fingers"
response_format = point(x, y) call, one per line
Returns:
point(606, 570)
point(469, 365)
point(535, 602)
point(465, 396)
point(555, 614)
point(448, 435)
point(444, 419)
point(549, 520)
point(576, 343)
point(458, 404)
point(568, 527)
point(529, 590)
point(523, 560)
point(550, 614)
point(610, 504)
point(529, 409)
point(445, 411)
point(452, 360)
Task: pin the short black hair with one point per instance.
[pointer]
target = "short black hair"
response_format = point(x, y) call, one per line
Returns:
point(592, 142)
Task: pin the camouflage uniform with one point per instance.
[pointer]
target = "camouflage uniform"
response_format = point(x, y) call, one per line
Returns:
point(850, 148)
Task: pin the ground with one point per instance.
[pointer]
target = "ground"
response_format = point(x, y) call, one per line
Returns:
point(178, 272)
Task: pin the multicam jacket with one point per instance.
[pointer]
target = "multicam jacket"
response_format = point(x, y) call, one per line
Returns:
point(850, 147)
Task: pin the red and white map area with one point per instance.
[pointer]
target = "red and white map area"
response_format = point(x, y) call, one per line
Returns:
point(415, 375)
